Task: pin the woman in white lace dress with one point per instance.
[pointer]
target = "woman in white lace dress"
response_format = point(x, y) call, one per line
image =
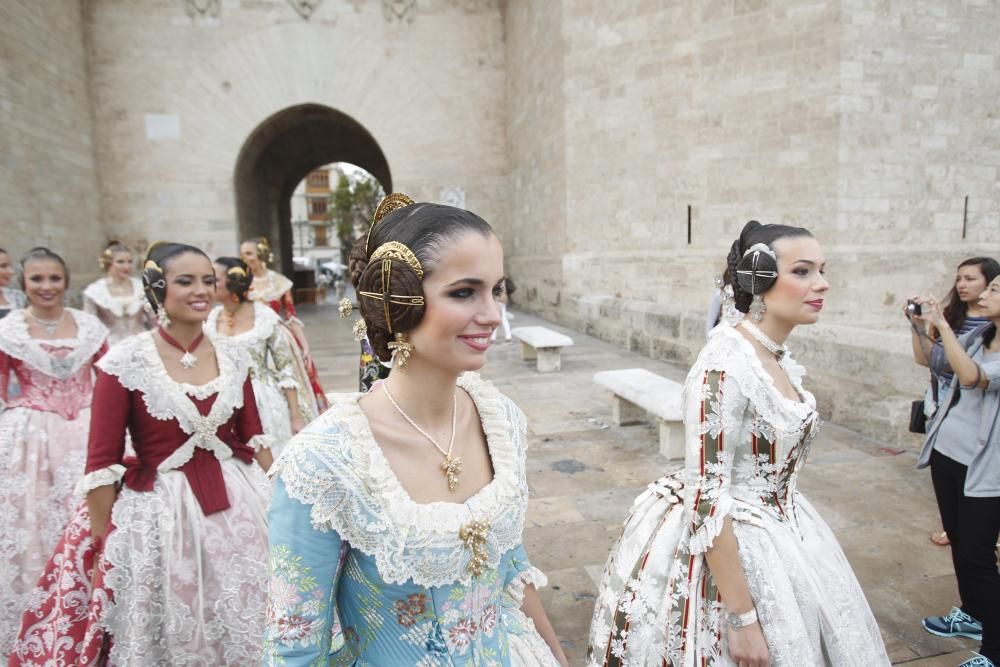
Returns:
point(49, 350)
point(178, 532)
point(724, 562)
point(257, 330)
point(400, 511)
point(117, 299)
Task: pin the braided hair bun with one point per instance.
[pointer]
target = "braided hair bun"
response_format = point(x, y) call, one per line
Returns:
point(752, 266)
point(238, 277)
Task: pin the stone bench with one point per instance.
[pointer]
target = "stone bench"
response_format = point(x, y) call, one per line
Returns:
point(639, 393)
point(543, 346)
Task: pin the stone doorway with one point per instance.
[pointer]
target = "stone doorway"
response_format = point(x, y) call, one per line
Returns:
point(280, 152)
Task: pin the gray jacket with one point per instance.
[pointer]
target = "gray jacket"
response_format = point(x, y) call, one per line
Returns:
point(983, 477)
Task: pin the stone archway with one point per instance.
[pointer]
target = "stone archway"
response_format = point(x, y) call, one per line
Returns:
point(280, 152)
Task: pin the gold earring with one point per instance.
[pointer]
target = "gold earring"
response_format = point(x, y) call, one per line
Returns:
point(360, 330)
point(401, 350)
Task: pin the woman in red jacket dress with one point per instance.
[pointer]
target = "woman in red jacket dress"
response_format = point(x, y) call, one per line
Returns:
point(175, 538)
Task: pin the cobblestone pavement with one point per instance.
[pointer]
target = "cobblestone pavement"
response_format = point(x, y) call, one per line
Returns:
point(584, 473)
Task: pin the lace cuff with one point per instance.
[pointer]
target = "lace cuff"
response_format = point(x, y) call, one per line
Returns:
point(288, 382)
point(259, 442)
point(103, 477)
point(515, 589)
point(704, 535)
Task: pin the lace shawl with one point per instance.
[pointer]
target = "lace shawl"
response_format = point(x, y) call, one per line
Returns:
point(257, 340)
point(336, 466)
point(271, 288)
point(17, 343)
point(99, 293)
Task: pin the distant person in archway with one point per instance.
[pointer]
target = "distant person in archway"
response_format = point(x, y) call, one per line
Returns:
point(117, 298)
point(275, 290)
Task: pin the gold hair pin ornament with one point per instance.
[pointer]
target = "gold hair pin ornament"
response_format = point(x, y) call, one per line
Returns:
point(391, 202)
point(387, 253)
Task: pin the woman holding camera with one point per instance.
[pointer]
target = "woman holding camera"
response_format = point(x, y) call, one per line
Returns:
point(964, 315)
point(962, 448)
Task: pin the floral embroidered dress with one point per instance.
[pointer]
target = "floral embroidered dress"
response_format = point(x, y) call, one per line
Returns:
point(182, 574)
point(43, 446)
point(275, 290)
point(746, 444)
point(401, 576)
point(122, 315)
point(273, 370)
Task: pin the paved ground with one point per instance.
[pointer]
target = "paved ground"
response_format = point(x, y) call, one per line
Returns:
point(584, 474)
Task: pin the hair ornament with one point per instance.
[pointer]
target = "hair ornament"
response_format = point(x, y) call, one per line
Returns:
point(391, 202)
point(761, 247)
point(387, 252)
point(236, 271)
point(394, 250)
point(360, 330)
point(345, 308)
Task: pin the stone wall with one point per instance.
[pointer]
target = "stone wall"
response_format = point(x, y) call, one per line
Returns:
point(48, 178)
point(179, 94)
point(828, 114)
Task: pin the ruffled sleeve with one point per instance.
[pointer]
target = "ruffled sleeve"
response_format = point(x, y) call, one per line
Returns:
point(305, 569)
point(520, 573)
point(248, 426)
point(713, 415)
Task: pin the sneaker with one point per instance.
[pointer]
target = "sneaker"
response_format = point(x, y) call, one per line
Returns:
point(956, 624)
point(978, 661)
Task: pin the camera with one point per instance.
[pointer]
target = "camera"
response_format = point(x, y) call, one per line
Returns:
point(913, 308)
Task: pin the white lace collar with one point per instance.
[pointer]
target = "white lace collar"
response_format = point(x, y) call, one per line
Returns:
point(270, 287)
point(137, 364)
point(730, 351)
point(264, 321)
point(99, 293)
point(336, 466)
point(15, 341)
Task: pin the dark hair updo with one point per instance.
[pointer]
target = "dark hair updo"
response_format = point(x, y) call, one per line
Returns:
point(158, 258)
point(41, 252)
point(238, 278)
point(427, 230)
point(755, 273)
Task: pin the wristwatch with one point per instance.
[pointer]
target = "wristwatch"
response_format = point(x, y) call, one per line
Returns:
point(737, 621)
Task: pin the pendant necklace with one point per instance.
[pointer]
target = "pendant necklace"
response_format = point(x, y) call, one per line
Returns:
point(49, 325)
point(231, 316)
point(188, 361)
point(777, 350)
point(452, 467)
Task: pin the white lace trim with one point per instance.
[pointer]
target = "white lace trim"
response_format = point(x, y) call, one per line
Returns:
point(703, 538)
point(264, 321)
point(99, 293)
point(727, 350)
point(270, 288)
point(103, 477)
point(533, 576)
point(259, 442)
point(336, 466)
point(16, 342)
point(136, 363)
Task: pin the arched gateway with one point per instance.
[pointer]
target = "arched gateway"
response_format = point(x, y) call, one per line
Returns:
point(280, 152)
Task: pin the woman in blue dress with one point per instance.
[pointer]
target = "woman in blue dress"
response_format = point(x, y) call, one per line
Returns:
point(400, 511)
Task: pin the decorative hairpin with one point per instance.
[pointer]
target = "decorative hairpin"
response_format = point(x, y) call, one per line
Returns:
point(391, 202)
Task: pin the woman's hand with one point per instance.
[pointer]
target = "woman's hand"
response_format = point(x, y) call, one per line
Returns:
point(297, 424)
point(747, 646)
point(930, 311)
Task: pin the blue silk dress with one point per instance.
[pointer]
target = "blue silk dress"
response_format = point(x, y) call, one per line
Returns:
point(411, 584)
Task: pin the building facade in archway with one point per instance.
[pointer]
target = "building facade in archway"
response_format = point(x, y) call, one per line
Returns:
point(616, 150)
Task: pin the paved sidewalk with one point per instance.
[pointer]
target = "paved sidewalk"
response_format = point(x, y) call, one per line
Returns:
point(584, 473)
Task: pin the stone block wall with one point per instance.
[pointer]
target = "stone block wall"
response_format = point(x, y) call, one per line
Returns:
point(866, 124)
point(48, 175)
point(178, 94)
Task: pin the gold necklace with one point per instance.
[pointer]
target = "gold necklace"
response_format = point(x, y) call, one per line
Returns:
point(452, 467)
point(231, 316)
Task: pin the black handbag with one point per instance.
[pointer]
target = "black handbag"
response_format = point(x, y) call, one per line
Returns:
point(918, 418)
